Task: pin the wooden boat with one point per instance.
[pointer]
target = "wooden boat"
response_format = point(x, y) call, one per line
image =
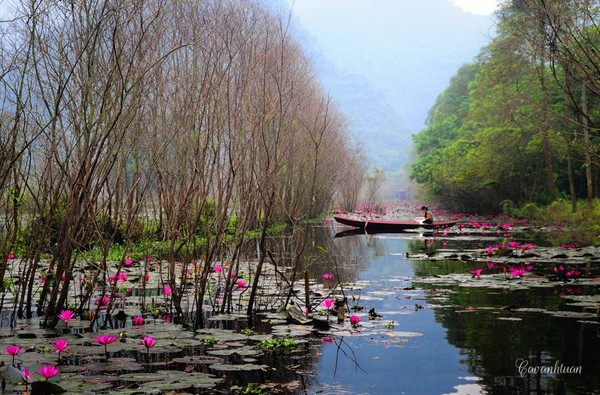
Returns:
point(381, 225)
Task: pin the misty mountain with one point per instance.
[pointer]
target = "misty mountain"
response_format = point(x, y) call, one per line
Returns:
point(384, 63)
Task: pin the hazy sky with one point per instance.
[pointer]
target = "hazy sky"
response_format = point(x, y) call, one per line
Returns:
point(384, 62)
point(407, 50)
point(480, 7)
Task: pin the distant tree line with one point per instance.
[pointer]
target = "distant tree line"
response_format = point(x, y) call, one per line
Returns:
point(521, 123)
point(191, 123)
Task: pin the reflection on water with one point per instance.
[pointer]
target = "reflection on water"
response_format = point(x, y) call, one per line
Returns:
point(474, 339)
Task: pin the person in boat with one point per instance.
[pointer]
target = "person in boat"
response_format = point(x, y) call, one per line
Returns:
point(427, 214)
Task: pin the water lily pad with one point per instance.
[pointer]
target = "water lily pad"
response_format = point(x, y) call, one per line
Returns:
point(198, 360)
point(82, 385)
point(32, 333)
point(292, 330)
point(140, 377)
point(571, 314)
point(11, 374)
point(258, 338)
point(237, 367)
point(404, 334)
point(243, 351)
point(220, 335)
point(227, 317)
point(530, 310)
point(169, 380)
point(115, 365)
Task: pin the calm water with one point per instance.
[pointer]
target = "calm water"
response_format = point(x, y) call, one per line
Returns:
point(469, 342)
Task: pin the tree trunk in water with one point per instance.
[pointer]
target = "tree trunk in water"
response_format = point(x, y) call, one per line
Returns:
point(262, 251)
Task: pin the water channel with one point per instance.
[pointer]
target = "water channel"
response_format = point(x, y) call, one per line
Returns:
point(427, 325)
point(453, 339)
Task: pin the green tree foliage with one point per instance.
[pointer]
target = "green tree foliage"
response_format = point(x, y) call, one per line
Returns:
point(504, 127)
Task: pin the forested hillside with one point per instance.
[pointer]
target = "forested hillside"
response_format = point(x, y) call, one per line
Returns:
point(520, 124)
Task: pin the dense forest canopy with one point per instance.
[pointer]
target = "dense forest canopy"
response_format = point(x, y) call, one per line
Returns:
point(521, 123)
point(185, 122)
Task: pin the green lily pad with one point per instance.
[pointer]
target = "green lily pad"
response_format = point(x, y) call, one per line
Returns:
point(259, 338)
point(81, 385)
point(198, 360)
point(238, 367)
point(292, 330)
point(172, 380)
point(115, 365)
point(221, 335)
point(227, 317)
point(243, 351)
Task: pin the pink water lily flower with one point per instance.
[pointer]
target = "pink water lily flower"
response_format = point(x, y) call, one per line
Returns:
point(167, 290)
point(327, 303)
point(105, 340)
point(148, 342)
point(128, 261)
point(48, 371)
point(60, 345)
point(11, 256)
point(103, 301)
point(327, 276)
point(27, 375)
point(138, 320)
point(559, 269)
point(218, 268)
point(66, 316)
point(476, 272)
point(13, 350)
point(573, 274)
point(514, 244)
point(569, 246)
point(241, 283)
point(354, 320)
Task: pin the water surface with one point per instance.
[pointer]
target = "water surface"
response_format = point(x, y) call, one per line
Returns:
point(471, 339)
